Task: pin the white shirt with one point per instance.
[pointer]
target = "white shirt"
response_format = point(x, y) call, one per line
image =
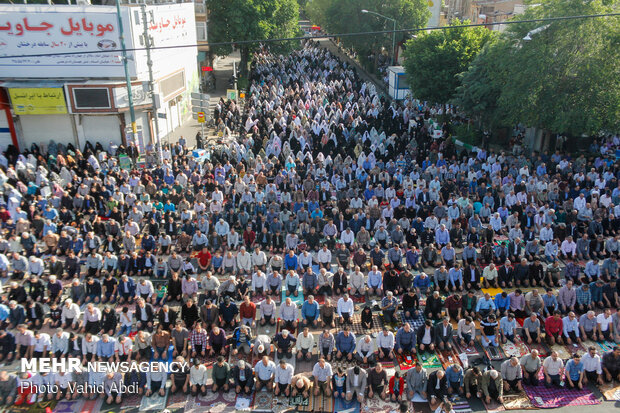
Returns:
point(41, 343)
point(604, 322)
point(345, 306)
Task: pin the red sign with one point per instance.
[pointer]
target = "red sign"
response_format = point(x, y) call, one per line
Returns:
point(207, 69)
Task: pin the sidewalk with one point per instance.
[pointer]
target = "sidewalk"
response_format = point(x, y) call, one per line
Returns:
point(222, 70)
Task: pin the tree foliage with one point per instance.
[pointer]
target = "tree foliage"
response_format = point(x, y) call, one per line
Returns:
point(434, 60)
point(345, 16)
point(565, 79)
point(238, 20)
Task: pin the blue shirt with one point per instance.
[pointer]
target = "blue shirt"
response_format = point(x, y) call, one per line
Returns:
point(507, 327)
point(574, 369)
point(502, 303)
point(454, 376)
point(309, 310)
point(105, 349)
point(484, 304)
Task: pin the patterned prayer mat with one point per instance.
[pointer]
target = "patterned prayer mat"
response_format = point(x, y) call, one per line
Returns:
point(404, 362)
point(154, 402)
point(470, 351)
point(263, 401)
point(429, 360)
point(343, 406)
point(177, 402)
point(460, 404)
point(356, 327)
point(610, 391)
point(547, 398)
point(377, 405)
point(448, 357)
point(243, 403)
point(543, 349)
point(495, 353)
point(72, 406)
point(518, 401)
point(561, 350)
point(493, 407)
point(415, 322)
point(305, 366)
point(516, 349)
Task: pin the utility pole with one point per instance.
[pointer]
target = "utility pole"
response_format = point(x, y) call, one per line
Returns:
point(235, 80)
point(148, 43)
point(132, 113)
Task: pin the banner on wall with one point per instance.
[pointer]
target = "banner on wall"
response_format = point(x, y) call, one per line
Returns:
point(30, 34)
point(38, 101)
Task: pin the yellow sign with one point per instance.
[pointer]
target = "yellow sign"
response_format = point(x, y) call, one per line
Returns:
point(241, 95)
point(231, 94)
point(38, 101)
point(201, 117)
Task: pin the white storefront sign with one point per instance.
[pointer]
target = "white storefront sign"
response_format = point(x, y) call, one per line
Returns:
point(31, 33)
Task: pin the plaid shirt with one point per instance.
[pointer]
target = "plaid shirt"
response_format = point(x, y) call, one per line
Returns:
point(583, 296)
point(198, 338)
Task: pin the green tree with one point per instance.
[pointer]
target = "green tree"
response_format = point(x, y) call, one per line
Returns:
point(434, 60)
point(563, 80)
point(239, 20)
point(345, 16)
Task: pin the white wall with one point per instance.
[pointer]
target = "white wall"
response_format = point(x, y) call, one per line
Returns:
point(41, 129)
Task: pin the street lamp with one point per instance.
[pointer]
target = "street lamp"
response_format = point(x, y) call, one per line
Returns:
point(537, 30)
point(393, 33)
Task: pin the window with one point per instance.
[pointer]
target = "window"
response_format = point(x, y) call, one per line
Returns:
point(91, 98)
point(402, 82)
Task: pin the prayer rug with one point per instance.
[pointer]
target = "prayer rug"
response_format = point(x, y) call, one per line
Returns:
point(343, 406)
point(306, 366)
point(448, 357)
point(69, 406)
point(415, 322)
point(460, 404)
point(543, 349)
point(406, 362)
point(243, 403)
point(429, 360)
point(280, 404)
point(92, 406)
point(561, 350)
point(610, 391)
point(298, 301)
point(495, 353)
point(516, 348)
point(132, 400)
point(377, 405)
point(178, 401)
point(472, 351)
point(493, 407)
point(263, 401)
point(421, 407)
point(492, 291)
point(357, 327)
point(552, 397)
point(302, 404)
point(518, 401)
point(576, 348)
point(154, 402)
point(606, 346)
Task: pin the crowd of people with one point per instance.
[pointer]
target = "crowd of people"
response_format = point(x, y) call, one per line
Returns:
point(328, 196)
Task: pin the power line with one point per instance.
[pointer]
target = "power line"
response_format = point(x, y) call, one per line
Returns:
point(325, 36)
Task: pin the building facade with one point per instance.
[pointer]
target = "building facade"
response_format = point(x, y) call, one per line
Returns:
point(63, 77)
